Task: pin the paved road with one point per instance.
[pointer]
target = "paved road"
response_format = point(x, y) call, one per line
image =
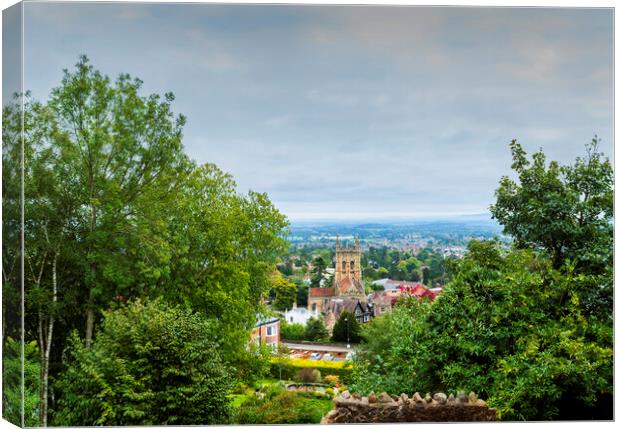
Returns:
point(318, 347)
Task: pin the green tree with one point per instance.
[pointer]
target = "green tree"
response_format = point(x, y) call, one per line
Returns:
point(502, 329)
point(149, 364)
point(315, 330)
point(530, 328)
point(568, 212)
point(119, 155)
point(302, 292)
point(346, 329)
point(292, 331)
point(223, 249)
point(12, 383)
point(318, 269)
point(565, 210)
point(285, 292)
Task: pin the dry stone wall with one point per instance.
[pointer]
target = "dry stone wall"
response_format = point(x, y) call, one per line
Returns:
point(383, 408)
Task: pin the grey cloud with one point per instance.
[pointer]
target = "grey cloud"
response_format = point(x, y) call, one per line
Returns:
point(352, 109)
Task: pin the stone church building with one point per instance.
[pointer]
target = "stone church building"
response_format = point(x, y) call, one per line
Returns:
point(347, 290)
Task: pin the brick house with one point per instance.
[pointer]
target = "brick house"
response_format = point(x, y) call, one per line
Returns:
point(266, 332)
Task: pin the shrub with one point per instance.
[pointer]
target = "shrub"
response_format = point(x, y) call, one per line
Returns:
point(11, 382)
point(309, 375)
point(347, 328)
point(316, 330)
point(149, 364)
point(284, 407)
point(292, 331)
point(332, 380)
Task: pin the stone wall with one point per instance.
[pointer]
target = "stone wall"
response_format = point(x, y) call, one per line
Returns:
point(392, 409)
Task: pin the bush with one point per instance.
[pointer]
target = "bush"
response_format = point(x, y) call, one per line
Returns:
point(309, 375)
point(11, 382)
point(292, 331)
point(316, 330)
point(149, 364)
point(332, 380)
point(283, 407)
point(510, 328)
point(346, 329)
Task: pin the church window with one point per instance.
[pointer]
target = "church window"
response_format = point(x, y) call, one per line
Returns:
point(344, 265)
point(313, 307)
point(352, 265)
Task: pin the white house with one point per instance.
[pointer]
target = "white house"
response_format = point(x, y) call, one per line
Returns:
point(299, 315)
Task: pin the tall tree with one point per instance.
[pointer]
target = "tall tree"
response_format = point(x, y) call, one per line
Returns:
point(119, 155)
point(318, 269)
point(347, 328)
point(224, 249)
point(285, 291)
point(565, 210)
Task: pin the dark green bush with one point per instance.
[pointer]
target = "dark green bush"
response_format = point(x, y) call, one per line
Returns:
point(149, 364)
point(292, 331)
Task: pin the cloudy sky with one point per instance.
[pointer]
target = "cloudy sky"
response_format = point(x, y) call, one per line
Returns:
point(352, 112)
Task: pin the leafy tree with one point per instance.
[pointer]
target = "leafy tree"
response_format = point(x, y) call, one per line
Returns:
point(426, 276)
point(566, 210)
point(315, 329)
point(12, 383)
point(530, 328)
point(302, 292)
point(346, 328)
point(502, 329)
point(223, 251)
point(318, 269)
point(119, 156)
point(285, 292)
point(292, 331)
point(149, 364)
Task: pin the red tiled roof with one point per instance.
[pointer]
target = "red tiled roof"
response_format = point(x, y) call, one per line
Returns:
point(419, 291)
point(321, 291)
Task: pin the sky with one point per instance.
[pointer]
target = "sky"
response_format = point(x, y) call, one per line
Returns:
point(352, 112)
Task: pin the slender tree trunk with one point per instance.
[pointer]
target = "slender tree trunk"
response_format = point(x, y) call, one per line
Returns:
point(42, 370)
point(90, 321)
point(45, 362)
point(90, 309)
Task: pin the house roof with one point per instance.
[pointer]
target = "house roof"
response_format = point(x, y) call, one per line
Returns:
point(419, 291)
point(321, 291)
point(337, 306)
point(265, 321)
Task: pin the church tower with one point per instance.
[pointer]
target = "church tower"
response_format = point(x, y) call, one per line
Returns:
point(348, 275)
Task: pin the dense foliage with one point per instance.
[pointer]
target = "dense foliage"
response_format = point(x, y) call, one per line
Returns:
point(12, 382)
point(277, 406)
point(316, 330)
point(116, 211)
point(149, 364)
point(530, 332)
point(427, 266)
point(346, 329)
point(292, 331)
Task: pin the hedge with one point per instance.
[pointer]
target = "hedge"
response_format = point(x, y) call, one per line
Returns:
point(290, 368)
